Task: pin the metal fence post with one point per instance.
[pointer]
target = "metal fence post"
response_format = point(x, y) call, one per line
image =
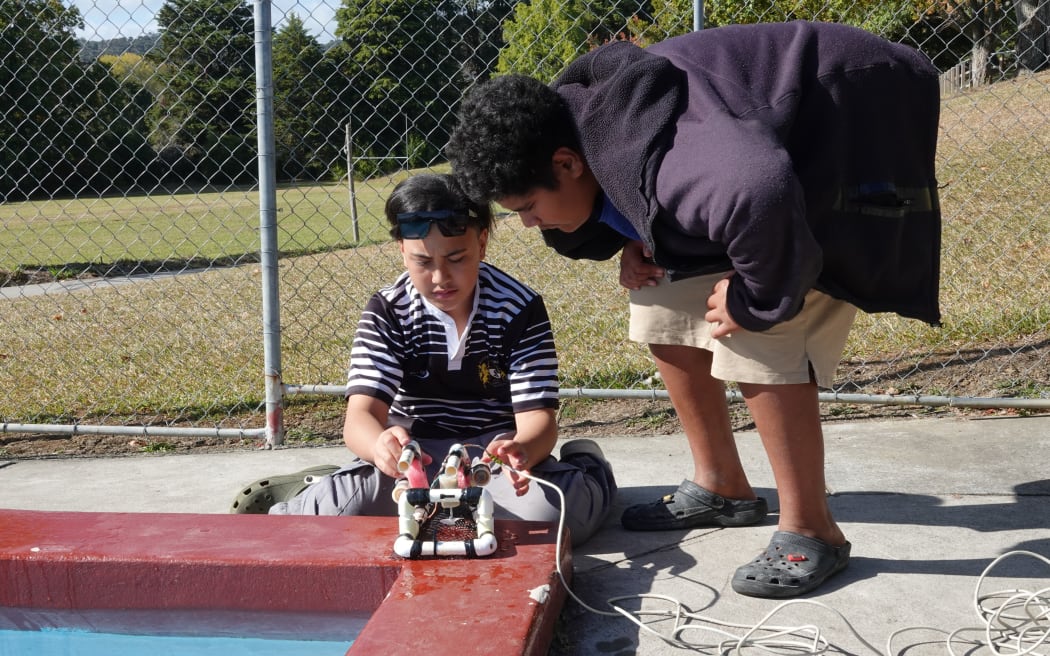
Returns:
point(350, 181)
point(268, 248)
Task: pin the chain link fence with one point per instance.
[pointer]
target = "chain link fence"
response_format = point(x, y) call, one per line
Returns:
point(156, 283)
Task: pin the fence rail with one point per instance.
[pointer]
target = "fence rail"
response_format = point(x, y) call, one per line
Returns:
point(197, 159)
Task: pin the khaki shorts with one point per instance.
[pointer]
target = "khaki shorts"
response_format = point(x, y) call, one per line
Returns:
point(673, 313)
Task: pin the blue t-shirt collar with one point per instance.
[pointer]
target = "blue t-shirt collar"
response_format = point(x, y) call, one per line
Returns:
point(609, 215)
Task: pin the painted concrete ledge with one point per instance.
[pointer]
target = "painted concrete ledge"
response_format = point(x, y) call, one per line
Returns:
point(97, 562)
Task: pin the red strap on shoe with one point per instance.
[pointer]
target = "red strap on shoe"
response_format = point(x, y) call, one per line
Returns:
point(796, 558)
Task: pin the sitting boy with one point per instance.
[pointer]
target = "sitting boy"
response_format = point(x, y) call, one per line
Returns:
point(454, 351)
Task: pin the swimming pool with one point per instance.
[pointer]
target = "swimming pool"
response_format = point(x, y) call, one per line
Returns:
point(81, 643)
point(79, 567)
point(50, 632)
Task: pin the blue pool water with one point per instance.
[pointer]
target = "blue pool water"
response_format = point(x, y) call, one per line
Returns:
point(35, 632)
point(56, 642)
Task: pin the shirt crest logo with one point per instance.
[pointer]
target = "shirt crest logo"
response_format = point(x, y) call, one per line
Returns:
point(491, 374)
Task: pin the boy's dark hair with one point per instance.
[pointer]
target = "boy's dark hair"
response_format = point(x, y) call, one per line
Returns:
point(508, 130)
point(428, 192)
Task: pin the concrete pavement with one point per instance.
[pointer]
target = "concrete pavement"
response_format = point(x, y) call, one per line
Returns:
point(927, 503)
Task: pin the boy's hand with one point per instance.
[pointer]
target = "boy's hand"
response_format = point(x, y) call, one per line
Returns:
point(515, 455)
point(722, 323)
point(388, 449)
point(636, 269)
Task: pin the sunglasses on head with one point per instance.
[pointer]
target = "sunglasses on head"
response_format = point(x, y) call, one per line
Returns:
point(416, 225)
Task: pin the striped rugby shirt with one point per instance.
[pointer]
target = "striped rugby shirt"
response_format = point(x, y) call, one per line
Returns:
point(406, 353)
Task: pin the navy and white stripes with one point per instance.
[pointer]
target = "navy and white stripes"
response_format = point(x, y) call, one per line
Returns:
point(400, 355)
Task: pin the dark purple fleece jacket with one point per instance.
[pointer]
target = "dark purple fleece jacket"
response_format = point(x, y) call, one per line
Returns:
point(798, 155)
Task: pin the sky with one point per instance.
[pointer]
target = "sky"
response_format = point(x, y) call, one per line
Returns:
point(107, 19)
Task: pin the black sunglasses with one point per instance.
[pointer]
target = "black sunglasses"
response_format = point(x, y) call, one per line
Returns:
point(416, 225)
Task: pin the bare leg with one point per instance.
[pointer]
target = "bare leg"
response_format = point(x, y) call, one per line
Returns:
point(699, 399)
point(788, 421)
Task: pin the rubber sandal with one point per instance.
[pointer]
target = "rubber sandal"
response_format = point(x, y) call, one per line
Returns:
point(256, 499)
point(691, 506)
point(791, 565)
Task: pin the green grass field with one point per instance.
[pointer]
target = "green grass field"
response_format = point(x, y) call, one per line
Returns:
point(189, 348)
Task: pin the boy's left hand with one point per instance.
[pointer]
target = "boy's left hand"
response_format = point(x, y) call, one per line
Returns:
point(722, 323)
point(516, 456)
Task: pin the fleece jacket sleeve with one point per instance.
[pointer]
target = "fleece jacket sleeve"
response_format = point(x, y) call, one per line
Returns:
point(741, 191)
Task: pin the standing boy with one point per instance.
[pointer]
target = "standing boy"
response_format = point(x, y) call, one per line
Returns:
point(762, 182)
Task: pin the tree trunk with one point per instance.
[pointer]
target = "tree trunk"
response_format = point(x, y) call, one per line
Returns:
point(980, 53)
point(1033, 34)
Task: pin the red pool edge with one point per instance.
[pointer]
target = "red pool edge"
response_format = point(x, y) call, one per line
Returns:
point(160, 561)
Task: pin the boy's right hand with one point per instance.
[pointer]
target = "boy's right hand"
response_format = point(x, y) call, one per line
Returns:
point(637, 269)
point(388, 449)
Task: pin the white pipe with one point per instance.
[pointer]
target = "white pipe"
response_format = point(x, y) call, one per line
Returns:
point(483, 545)
point(408, 453)
point(400, 485)
point(453, 459)
point(406, 521)
point(483, 516)
point(480, 472)
point(407, 543)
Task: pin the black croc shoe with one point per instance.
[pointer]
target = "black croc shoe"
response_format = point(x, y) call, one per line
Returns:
point(791, 565)
point(691, 506)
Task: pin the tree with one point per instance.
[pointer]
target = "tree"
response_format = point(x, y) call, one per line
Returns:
point(203, 120)
point(543, 36)
point(137, 45)
point(890, 19)
point(402, 76)
point(479, 26)
point(670, 18)
point(1033, 34)
point(983, 26)
point(66, 126)
point(36, 47)
point(306, 135)
point(132, 68)
point(113, 114)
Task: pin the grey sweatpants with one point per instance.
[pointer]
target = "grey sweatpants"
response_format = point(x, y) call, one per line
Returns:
point(582, 474)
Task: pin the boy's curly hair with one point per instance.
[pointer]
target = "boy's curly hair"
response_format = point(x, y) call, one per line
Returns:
point(508, 130)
